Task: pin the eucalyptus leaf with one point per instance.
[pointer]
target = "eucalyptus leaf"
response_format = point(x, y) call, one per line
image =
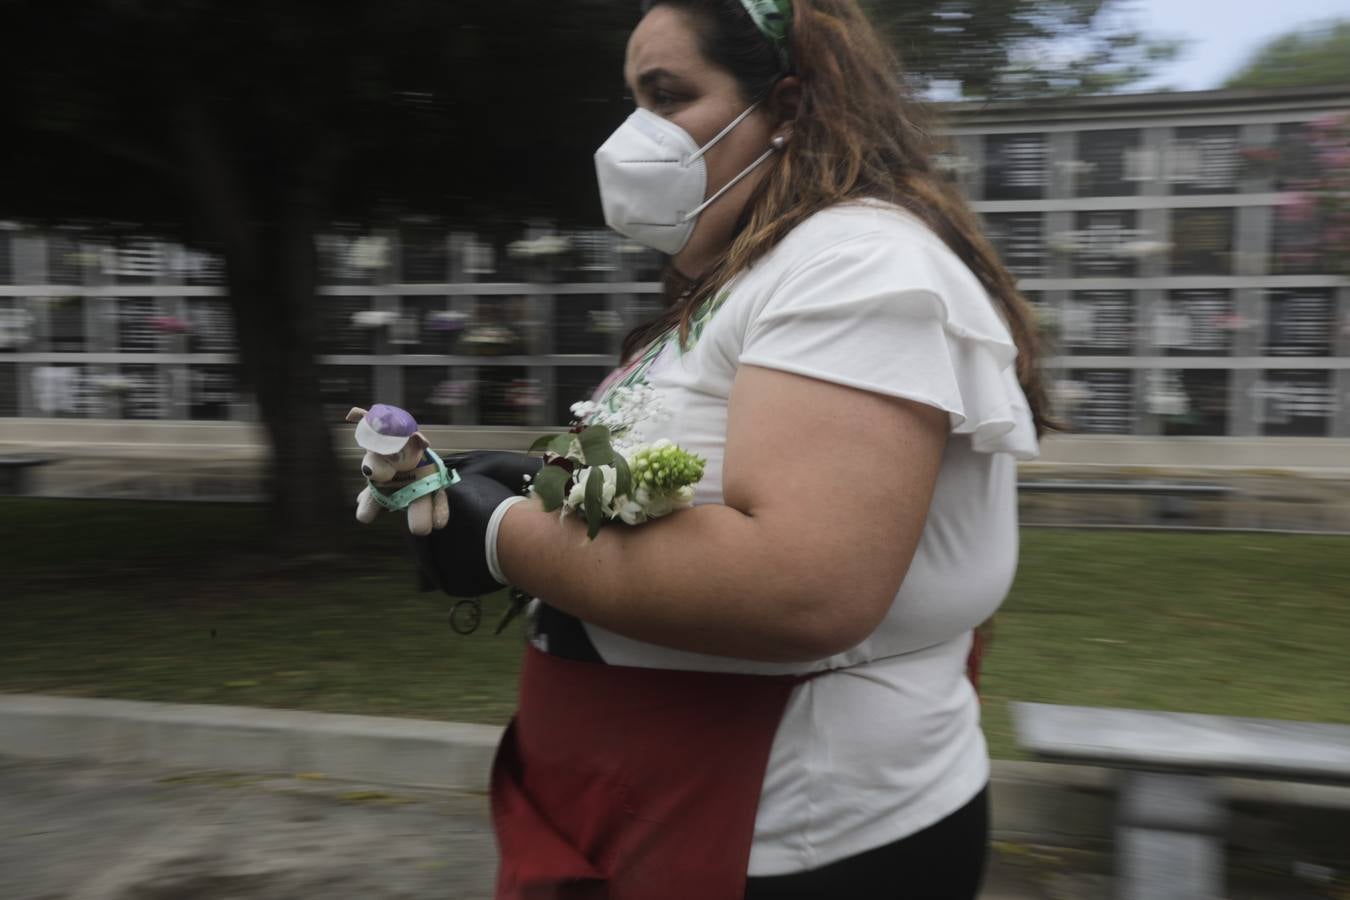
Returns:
point(561, 444)
point(541, 443)
point(623, 477)
point(550, 485)
point(595, 488)
point(595, 446)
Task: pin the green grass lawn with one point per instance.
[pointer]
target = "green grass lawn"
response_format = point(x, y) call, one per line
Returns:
point(173, 602)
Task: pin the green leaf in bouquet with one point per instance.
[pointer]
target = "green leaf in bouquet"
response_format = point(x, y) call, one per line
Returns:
point(595, 488)
point(561, 444)
point(541, 443)
point(623, 478)
point(550, 485)
point(595, 446)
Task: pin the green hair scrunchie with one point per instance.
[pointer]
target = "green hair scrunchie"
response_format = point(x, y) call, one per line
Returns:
point(772, 18)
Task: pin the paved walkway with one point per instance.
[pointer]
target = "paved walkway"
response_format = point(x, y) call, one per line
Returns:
point(72, 831)
point(86, 832)
point(132, 833)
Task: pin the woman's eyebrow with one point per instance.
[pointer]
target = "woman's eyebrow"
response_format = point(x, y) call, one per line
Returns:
point(652, 75)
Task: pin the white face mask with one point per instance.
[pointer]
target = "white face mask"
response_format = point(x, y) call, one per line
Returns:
point(653, 178)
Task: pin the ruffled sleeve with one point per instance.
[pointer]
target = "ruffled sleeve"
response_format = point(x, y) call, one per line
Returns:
point(892, 310)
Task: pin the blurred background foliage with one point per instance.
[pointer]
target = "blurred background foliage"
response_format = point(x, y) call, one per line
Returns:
point(1018, 49)
point(1319, 55)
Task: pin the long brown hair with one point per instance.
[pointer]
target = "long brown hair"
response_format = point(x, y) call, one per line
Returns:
point(857, 134)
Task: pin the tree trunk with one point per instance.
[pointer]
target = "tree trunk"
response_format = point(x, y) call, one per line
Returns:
point(267, 233)
point(277, 327)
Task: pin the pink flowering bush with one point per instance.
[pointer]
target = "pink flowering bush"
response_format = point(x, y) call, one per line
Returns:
point(1318, 202)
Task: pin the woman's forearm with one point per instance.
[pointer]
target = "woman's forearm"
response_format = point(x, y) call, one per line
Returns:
point(708, 579)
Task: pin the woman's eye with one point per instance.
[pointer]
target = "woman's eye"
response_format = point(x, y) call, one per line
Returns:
point(662, 99)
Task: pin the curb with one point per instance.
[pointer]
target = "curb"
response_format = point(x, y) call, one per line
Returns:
point(357, 748)
point(1033, 802)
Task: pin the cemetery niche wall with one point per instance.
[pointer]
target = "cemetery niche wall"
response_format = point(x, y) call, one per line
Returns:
point(1187, 255)
point(1184, 252)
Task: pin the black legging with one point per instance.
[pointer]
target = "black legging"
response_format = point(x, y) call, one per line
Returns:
point(943, 862)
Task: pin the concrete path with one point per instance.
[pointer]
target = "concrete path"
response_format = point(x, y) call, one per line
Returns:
point(179, 802)
point(106, 832)
point(126, 832)
point(88, 831)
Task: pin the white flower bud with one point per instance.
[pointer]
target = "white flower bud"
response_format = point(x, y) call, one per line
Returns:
point(659, 505)
point(577, 496)
point(631, 512)
point(611, 476)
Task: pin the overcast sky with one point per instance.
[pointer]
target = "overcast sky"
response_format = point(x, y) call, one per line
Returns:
point(1224, 33)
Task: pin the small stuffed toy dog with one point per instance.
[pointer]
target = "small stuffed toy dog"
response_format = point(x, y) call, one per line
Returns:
point(401, 470)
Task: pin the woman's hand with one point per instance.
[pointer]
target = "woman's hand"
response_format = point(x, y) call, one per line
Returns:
point(454, 558)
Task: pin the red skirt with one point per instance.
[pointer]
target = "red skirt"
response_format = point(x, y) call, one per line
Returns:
point(631, 784)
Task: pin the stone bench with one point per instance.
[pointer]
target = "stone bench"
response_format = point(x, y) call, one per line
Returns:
point(16, 473)
point(1171, 814)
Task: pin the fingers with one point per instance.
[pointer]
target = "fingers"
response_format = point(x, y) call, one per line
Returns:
point(458, 551)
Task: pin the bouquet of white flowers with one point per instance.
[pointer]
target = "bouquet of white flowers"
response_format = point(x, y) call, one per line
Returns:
point(589, 473)
point(584, 474)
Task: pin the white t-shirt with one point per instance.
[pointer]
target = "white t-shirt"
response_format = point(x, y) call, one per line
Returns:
point(887, 742)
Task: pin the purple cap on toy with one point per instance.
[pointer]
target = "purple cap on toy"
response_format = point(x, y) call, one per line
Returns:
point(385, 429)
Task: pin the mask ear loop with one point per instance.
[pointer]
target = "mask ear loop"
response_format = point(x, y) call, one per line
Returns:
point(744, 172)
point(698, 154)
point(730, 184)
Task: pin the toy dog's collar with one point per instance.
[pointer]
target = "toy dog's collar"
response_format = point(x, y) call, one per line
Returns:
point(429, 479)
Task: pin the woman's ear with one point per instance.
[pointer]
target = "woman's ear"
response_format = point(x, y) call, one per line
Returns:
point(785, 99)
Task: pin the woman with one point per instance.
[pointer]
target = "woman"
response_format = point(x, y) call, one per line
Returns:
point(764, 695)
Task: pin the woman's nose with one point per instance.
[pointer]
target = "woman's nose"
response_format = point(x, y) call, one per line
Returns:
point(366, 471)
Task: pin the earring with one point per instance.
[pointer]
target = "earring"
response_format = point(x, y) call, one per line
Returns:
point(778, 143)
